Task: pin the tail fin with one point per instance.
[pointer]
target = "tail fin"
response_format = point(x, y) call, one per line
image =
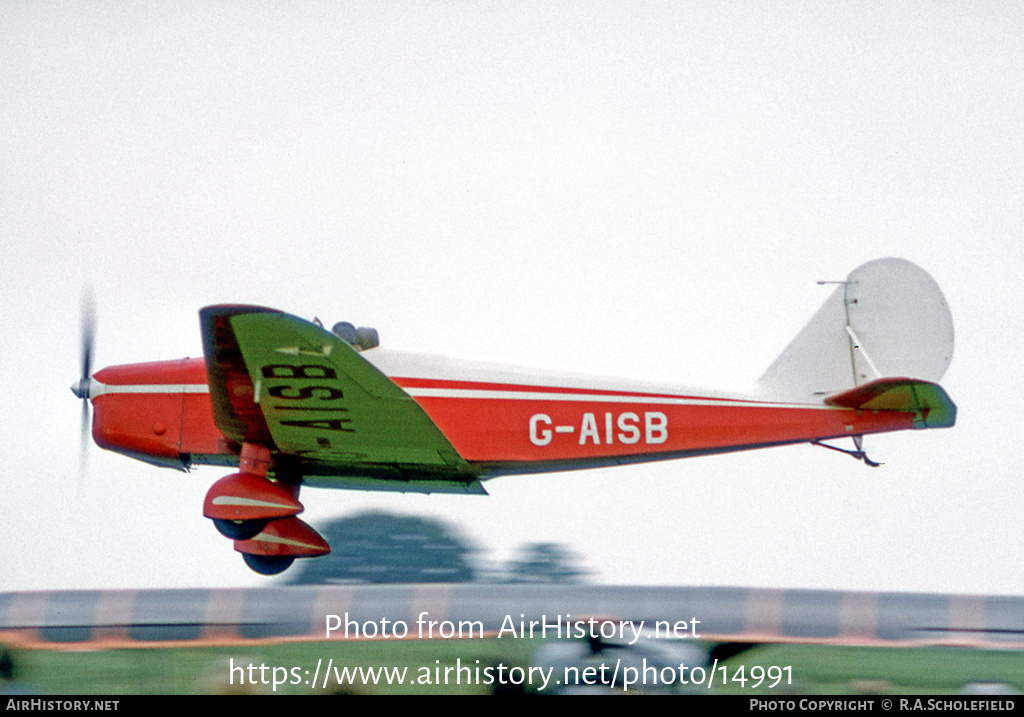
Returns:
point(888, 319)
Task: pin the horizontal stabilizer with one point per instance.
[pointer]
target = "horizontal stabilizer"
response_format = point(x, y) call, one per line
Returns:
point(928, 401)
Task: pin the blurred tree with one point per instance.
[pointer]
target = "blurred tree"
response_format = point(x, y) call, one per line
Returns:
point(378, 547)
point(545, 563)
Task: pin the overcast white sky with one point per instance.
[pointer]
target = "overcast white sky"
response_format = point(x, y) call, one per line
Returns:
point(640, 189)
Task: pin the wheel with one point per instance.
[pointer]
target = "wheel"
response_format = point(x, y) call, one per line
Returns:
point(268, 564)
point(239, 529)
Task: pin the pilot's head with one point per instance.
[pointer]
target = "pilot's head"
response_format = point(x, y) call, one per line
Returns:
point(346, 331)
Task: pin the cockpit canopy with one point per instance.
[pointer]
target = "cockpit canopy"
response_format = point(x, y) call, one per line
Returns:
point(360, 339)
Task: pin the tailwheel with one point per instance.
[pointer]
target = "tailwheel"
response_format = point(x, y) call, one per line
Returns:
point(268, 564)
point(239, 529)
point(859, 454)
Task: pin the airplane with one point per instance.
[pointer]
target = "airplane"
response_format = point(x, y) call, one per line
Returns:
point(292, 404)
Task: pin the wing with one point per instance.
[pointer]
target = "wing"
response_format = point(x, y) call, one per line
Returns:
point(282, 381)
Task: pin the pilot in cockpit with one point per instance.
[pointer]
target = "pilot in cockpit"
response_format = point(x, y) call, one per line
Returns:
point(360, 339)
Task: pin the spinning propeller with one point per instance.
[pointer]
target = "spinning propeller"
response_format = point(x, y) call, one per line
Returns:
point(82, 386)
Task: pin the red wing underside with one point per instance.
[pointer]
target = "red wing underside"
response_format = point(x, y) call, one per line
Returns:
point(231, 390)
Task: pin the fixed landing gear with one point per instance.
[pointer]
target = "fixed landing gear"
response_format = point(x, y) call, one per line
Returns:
point(259, 515)
point(268, 564)
point(239, 529)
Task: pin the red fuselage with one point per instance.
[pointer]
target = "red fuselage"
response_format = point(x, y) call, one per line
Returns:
point(161, 413)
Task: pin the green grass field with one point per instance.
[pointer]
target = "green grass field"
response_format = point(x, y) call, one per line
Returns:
point(814, 669)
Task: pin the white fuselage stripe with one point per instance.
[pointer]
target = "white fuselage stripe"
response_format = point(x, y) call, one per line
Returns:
point(494, 395)
point(159, 388)
point(100, 389)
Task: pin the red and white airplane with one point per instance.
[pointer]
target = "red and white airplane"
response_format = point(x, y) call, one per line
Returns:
point(290, 404)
